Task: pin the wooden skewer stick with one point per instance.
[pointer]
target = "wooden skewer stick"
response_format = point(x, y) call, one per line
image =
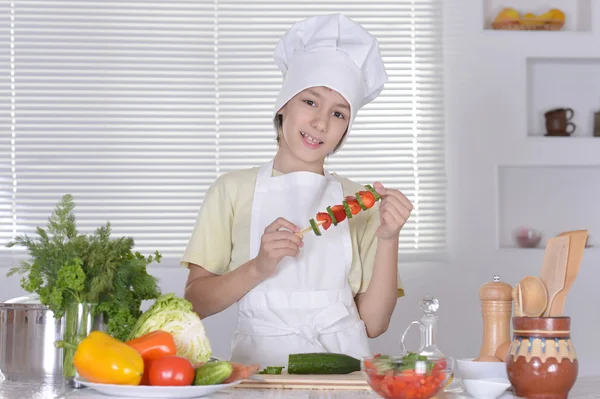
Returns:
point(309, 228)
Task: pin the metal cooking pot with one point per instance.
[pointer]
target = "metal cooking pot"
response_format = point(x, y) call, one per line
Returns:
point(28, 331)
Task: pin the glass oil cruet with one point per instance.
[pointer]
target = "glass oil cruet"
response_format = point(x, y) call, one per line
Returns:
point(428, 327)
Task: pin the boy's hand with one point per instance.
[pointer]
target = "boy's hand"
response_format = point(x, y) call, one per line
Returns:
point(276, 244)
point(394, 211)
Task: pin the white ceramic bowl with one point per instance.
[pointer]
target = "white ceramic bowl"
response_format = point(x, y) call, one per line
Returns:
point(487, 388)
point(470, 370)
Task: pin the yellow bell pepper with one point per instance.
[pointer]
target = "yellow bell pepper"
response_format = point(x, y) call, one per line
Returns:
point(103, 359)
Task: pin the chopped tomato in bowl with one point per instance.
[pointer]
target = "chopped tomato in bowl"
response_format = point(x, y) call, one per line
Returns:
point(407, 377)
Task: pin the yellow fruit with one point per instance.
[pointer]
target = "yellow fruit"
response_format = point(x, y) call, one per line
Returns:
point(530, 20)
point(557, 15)
point(508, 14)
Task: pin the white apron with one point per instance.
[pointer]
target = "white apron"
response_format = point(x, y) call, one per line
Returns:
point(307, 305)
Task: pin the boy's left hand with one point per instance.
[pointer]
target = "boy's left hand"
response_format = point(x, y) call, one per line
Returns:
point(394, 211)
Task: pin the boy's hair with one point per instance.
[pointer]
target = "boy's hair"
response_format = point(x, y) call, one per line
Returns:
point(279, 122)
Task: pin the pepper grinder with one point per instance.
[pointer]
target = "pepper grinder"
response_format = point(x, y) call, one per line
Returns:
point(496, 309)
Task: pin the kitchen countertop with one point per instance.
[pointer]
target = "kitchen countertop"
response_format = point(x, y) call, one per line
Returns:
point(585, 388)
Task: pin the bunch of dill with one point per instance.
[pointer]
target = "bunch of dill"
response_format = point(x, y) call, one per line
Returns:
point(67, 268)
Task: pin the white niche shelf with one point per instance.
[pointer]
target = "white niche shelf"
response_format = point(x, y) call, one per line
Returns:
point(563, 83)
point(550, 199)
point(578, 13)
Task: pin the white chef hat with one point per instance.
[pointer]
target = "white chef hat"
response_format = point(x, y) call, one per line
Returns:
point(332, 51)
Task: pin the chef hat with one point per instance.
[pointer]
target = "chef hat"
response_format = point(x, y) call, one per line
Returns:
point(331, 51)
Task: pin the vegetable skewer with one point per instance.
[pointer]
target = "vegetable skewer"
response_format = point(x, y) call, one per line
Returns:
point(309, 228)
point(337, 213)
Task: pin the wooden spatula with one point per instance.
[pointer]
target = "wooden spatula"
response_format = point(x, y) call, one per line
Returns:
point(554, 268)
point(577, 242)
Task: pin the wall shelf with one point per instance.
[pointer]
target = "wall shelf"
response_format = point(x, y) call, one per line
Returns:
point(543, 151)
point(540, 247)
point(563, 83)
point(578, 13)
point(548, 198)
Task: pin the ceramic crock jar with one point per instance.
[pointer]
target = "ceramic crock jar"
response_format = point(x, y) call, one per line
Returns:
point(542, 363)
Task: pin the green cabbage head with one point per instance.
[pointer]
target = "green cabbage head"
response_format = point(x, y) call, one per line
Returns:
point(175, 315)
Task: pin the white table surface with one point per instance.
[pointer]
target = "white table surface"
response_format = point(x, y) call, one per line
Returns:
point(585, 388)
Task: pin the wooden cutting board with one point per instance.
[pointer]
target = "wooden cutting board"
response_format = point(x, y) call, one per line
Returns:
point(352, 381)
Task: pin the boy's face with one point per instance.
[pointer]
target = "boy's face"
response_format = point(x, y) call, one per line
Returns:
point(314, 122)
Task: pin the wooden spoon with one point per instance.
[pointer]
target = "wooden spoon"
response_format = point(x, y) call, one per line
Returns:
point(578, 239)
point(534, 296)
point(517, 304)
point(554, 268)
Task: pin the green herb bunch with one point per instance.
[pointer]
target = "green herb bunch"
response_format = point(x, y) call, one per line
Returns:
point(68, 268)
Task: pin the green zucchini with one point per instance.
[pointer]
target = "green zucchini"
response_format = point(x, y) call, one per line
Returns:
point(322, 363)
point(372, 190)
point(213, 373)
point(314, 226)
point(347, 209)
point(359, 200)
point(332, 216)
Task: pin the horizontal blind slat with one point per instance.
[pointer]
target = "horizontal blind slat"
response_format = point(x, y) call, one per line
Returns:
point(136, 107)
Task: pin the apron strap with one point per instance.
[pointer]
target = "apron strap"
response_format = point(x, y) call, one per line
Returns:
point(266, 170)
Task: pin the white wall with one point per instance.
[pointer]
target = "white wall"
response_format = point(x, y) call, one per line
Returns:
point(496, 91)
point(487, 119)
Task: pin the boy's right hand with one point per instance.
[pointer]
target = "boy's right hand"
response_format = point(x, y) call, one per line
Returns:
point(275, 244)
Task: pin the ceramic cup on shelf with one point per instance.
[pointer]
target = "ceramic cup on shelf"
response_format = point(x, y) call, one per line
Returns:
point(542, 362)
point(597, 124)
point(557, 122)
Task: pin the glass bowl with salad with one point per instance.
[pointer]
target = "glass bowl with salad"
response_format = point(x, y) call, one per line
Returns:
point(411, 376)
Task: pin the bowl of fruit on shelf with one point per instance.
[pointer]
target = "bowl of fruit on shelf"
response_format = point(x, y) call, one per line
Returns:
point(411, 376)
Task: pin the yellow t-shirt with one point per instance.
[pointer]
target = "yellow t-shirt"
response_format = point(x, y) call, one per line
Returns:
point(220, 241)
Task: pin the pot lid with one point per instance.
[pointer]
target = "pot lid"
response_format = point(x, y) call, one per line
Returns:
point(32, 299)
point(26, 302)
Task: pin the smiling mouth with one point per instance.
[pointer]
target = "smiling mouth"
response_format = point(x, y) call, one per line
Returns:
point(311, 141)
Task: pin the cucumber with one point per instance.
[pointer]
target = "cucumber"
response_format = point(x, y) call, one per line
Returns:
point(322, 363)
point(347, 209)
point(372, 190)
point(314, 226)
point(359, 200)
point(271, 370)
point(213, 373)
point(332, 216)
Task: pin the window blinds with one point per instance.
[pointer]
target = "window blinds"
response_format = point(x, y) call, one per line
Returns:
point(136, 107)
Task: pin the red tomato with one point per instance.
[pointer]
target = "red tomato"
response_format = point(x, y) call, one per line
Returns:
point(367, 198)
point(369, 366)
point(146, 376)
point(171, 371)
point(353, 204)
point(440, 365)
point(321, 216)
point(405, 384)
point(339, 212)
